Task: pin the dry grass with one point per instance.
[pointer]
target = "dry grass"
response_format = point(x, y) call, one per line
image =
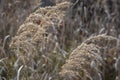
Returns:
point(49, 34)
point(13, 13)
point(93, 60)
point(36, 43)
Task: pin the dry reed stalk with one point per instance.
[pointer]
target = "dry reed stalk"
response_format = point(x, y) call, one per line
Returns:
point(89, 17)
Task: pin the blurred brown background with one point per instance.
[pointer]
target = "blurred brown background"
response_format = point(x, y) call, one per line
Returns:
point(13, 13)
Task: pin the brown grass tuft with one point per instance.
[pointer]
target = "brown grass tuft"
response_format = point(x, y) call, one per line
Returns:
point(92, 60)
point(36, 43)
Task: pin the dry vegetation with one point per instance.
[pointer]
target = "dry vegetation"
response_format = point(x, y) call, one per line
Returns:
point(95, 59)
point(13, 13)
point(85, 32)
point(36, 43)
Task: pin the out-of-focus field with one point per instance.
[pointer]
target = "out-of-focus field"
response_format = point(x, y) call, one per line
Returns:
point(13, 13)
point(59, 40)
